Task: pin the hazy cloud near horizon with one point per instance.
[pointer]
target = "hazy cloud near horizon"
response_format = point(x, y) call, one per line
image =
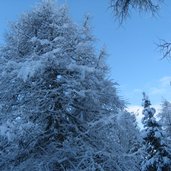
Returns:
point(157, 90)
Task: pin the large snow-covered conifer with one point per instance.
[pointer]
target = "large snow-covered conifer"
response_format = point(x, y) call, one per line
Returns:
point(58, 109)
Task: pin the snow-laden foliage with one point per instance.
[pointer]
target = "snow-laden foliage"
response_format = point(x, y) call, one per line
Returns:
point(157, 155)
point(165, 119)
point(58, 110)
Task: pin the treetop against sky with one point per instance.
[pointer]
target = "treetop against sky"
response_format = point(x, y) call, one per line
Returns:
point(134, 59)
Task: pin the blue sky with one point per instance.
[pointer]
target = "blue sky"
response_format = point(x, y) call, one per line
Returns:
point(134, 59)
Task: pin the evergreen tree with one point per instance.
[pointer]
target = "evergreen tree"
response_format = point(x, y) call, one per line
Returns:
point(165, 118)
point(58, 108)
point(157, 156)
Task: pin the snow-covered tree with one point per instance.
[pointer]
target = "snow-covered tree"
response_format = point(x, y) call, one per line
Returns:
point(165, 118)
point(157, 156)
point(58, 108)
point(128, 134)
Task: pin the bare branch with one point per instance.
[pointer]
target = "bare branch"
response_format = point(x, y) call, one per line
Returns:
point(165, 48)
point(122, 8)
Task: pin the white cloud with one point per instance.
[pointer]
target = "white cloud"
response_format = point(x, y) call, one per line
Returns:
point(165, 81)
point(137, 110)
point(157, 91)
point(162, 88)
